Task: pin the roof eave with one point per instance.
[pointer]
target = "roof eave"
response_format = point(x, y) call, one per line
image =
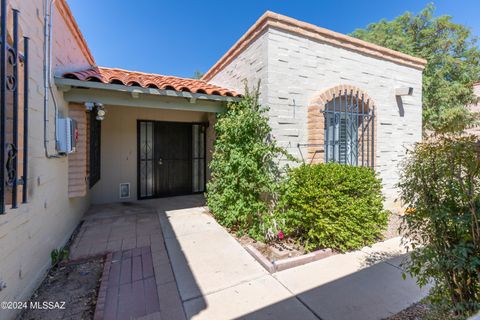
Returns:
point(65, 84)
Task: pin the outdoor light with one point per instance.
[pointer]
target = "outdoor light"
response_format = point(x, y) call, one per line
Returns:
point(404, 91)
point(100, 112)
point(89, 105)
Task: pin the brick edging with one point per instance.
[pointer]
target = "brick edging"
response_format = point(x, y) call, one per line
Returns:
point(287, 263)
point(102, 291)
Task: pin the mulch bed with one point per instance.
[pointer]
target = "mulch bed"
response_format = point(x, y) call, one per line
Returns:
point(76, 284)
point(273, 251)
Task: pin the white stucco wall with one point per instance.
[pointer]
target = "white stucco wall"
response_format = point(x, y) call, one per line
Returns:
point(299, 68)
point(28, 234)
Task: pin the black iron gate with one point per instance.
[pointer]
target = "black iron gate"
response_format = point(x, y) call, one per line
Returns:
point(349, 129)
point(12, 61)
point(171, 158)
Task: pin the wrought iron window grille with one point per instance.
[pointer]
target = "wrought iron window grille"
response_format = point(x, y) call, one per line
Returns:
point(12, 61)
point(349, 130)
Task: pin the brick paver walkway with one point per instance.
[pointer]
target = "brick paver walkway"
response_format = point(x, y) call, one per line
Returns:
point(131, 287)
point(138, 283)
point(114, 227)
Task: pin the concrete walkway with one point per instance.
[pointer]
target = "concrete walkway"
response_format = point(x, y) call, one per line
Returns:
point(218, 279)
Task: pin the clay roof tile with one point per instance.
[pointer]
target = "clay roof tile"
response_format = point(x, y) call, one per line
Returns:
point(149, 80)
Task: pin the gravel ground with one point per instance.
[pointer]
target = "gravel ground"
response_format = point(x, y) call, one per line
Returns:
point(75, 284)
point(417, 311)
point(423, 310)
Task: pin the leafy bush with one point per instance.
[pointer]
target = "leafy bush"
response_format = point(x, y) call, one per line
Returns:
point(441, 186)
point(332, 206)
point(244, 170)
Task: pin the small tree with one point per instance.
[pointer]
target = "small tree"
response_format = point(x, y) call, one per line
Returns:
point(453, 62)
point(441, 186)
point(244, 166)
point(197, 74)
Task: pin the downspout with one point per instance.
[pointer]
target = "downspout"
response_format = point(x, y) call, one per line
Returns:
point(47, 75)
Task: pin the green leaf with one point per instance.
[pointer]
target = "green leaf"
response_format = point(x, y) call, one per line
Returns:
point(453, 57)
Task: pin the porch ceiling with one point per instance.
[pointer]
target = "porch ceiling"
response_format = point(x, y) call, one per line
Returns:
point(121, 95)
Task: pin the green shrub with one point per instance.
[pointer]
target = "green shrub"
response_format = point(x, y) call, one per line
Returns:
point(441, 184)
point(332, 206)
point(57, 255)
point(244, 170)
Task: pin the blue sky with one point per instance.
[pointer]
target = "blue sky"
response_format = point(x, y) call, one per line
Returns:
point(179, 37)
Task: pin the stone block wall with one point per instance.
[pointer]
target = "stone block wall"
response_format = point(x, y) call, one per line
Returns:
point(250, 67)
point(297, 69)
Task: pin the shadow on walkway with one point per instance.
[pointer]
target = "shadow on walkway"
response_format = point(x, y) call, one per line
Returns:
point(175, 253)
point(362, 295)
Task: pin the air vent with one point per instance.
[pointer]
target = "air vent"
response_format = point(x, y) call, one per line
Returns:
point(124, 190)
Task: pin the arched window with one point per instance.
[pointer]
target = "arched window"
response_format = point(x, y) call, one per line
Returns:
point(348, 126)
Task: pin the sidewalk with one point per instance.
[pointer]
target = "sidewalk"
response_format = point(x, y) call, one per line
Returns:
point(218, 279)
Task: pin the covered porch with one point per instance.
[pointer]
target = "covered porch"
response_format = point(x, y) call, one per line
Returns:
point(154, 139)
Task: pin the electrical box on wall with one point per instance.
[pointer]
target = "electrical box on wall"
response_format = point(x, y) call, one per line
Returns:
point(67, 135)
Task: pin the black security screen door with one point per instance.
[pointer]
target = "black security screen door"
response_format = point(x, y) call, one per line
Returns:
point(95, 156)
point(171, 159)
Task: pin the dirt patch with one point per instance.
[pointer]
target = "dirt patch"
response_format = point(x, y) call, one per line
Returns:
point(76, 284)
point(273, 251)
point(394, 221)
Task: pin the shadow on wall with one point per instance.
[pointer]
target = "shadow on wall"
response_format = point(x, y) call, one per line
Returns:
point(401, 110)
point(363, 295)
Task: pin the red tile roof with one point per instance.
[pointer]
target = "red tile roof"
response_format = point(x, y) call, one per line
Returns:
point(148, 80)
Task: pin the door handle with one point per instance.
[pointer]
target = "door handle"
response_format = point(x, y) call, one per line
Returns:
point(160, 162)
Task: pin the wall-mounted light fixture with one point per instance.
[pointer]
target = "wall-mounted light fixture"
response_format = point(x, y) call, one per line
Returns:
point(100, 112)
point(100, 109)
point(89, 106)
point(403, 91)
